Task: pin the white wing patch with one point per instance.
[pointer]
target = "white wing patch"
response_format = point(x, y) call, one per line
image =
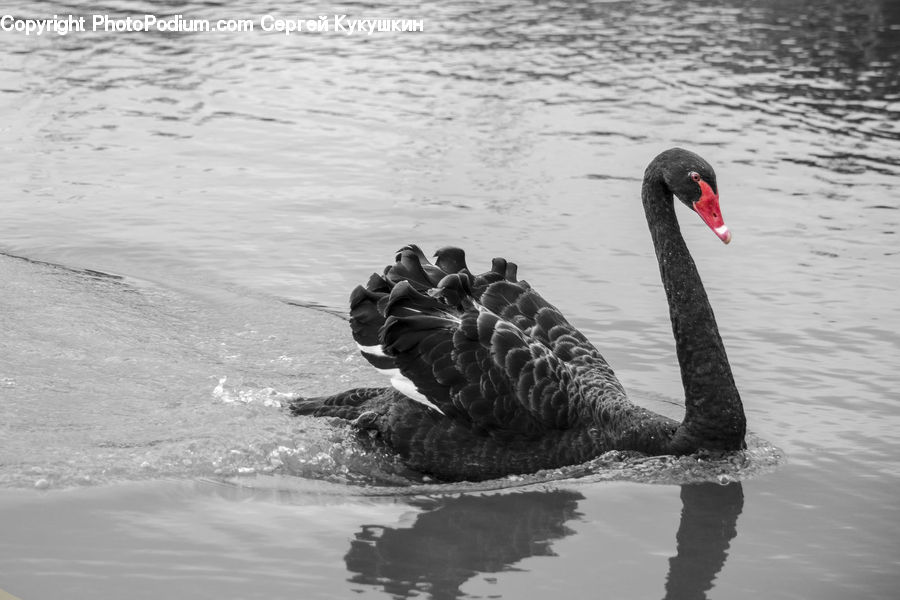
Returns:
point(405, 386)
point(373, 350)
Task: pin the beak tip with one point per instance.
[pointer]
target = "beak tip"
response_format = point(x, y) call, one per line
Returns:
point(723, 233)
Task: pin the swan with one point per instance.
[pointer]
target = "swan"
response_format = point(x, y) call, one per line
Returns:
point(488, 379)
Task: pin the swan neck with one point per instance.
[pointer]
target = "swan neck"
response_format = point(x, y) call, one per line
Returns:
point(713, 411)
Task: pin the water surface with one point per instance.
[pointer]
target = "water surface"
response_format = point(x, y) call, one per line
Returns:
point(228, 181)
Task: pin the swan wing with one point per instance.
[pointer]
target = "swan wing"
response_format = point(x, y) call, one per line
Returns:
point(486, 349)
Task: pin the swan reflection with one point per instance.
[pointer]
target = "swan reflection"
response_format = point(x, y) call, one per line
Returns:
point(456, 539)
point(459, 538)
point(709, 514)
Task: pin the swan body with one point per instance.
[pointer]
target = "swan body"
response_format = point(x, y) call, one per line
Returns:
point(490, 379)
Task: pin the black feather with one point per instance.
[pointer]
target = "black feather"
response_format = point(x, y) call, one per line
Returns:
point(451, 259)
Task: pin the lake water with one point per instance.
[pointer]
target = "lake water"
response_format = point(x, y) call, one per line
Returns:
point(184, 214)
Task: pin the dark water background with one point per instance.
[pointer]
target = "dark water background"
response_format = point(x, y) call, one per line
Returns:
point(225, 179)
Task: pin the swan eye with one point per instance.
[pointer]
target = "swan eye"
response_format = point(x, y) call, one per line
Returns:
point(695, 176)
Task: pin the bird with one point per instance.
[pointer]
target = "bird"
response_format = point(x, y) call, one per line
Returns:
point(489, 379)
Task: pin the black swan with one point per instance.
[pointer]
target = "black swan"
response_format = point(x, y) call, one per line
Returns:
point(489, 379)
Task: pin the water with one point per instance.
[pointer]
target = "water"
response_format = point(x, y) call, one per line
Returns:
point(237, 186)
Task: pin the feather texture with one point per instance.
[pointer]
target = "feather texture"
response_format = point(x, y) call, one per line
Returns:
point(488, 361)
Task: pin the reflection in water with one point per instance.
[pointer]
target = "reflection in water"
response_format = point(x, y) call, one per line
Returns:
point(461, 537)
point(708, 524)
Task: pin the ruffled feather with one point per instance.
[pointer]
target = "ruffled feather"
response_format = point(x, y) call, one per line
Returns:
point(485, 349)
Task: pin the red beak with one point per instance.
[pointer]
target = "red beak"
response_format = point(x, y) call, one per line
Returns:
point(708, 209)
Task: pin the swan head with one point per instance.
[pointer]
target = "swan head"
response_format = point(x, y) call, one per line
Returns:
point(693, 181)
